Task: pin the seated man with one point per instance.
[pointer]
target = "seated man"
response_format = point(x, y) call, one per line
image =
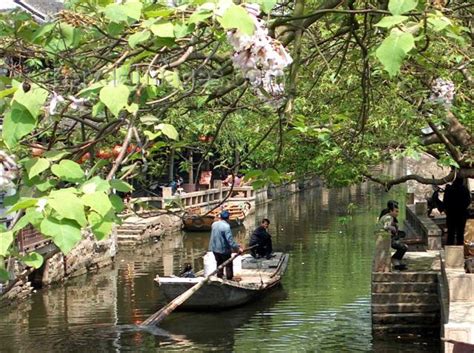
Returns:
point(263, 240)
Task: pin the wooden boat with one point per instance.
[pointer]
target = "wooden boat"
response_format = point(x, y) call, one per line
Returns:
point(198, 220)
point(258, 277)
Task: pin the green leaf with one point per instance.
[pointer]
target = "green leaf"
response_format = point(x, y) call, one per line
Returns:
point(266, 5)
point(31, 216)
point(172, 78)
point(393, 50)
point(4, 275)
point(100, 226)
point(117, 203)
point(95, 184)
point(64, 232)
point(122, 12)
point(6, 239)
point(23, 203)
point(120, 185)
point(54, 156)
point(182, 30)
point(33, 100)
point(98, 201)
point(390, 21)
point(115, 97)
point(68, 205)
point(169, 130)
point(138, 38)
point(35, 166)
point(68, 170)
point(200, 15)
point(33, 259)
point(237, 17)
point(17, 123)
point(7, 92)
point(438, 22)
point(398, 7)
point(163, 29)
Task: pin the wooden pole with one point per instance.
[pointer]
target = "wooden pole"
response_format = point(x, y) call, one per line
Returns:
point(161, 314)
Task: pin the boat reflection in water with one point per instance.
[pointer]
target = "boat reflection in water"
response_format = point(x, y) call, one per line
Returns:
point(217, 329)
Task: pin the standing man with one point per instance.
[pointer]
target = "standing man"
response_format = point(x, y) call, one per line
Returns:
point(456, 201)
point(222, 243)
point(263, 240)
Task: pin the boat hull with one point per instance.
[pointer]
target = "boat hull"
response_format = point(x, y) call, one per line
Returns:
point(258, 278)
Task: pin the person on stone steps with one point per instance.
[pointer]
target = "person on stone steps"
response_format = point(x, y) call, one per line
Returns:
point(388, 220)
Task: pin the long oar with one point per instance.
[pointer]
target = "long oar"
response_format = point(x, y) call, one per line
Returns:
point(180, 299)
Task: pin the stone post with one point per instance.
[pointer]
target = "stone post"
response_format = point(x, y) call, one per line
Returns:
point(454, 256)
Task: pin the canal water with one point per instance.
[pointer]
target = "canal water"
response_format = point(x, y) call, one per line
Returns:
point(322, 306)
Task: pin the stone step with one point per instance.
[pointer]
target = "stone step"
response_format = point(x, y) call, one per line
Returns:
point(424, 330)
point(130, 231)
point(404, 287)
point(395, 298)
point(407, 318)
point(405, 277)
point(405, 308)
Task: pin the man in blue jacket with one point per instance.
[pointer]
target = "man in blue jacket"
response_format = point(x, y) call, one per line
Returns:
point(222, 243)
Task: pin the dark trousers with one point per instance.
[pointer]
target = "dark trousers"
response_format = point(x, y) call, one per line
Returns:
point(220, 259)
point(264, 248)
point(401, 249)
point(456, 224)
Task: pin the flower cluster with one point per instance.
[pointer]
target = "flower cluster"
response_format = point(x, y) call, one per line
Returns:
point(8, 171)
point(442, 92)
point(261, 58)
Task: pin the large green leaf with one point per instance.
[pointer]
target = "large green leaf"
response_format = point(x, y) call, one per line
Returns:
point(163, 29)
point(33, 259)
point(115, 97)
point(100, 226)
point(169, 130)
point(237, 17)
point(120, 185)
point(68, 170)
point(122, 12)
point(398, 7)
point(98, 201)
point(17, 123)
point(4, 275)
point(266, 5)
point(95, 184)
point(68, 205)
point(6, 239)
point(31, 217)
point(23, 203)
point(394, 49)
point(390, 21)
point(33, 100)
point(35, 166)
point(65, 233)
point(117, 203)
point(138, 38)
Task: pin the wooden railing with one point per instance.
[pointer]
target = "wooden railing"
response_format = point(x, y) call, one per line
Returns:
point(30, 239)
point(209, 197)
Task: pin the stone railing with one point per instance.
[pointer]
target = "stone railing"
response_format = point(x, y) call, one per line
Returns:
point(424, 226)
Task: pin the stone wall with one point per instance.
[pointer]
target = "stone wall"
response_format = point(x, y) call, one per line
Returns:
point(425, 167)
point(87, 256)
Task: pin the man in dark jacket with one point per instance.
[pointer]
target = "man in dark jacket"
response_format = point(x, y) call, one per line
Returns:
point(263, 240)
point(456, 201)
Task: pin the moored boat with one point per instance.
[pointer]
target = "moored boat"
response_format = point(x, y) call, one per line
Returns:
point(258, 276)
point(200, 221)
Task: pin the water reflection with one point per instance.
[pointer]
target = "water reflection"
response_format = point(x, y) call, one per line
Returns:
point(323, 305)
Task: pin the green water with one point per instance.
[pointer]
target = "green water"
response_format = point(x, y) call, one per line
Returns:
point(322, 306)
